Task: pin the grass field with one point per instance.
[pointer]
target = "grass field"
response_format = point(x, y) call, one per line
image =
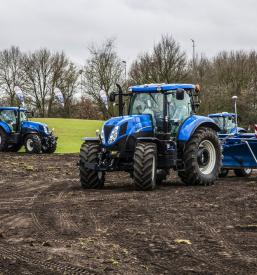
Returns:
point(70, 131)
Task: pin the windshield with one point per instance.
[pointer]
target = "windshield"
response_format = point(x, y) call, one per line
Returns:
point(8, 116)
point(153, 104)
point(219, 121)
point(226, 123)
point(230, 123)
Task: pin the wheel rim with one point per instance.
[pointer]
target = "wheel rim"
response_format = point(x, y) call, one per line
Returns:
point(206, 157)
point(0, 139)
point(29, 145)
point(248, 171)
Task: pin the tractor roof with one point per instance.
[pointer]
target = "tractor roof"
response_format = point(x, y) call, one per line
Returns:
point(12, 108)
point(159, 87)
point(224, 114)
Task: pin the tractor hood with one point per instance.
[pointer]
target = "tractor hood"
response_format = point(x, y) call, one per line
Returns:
point(117, 128)
point(31, 126)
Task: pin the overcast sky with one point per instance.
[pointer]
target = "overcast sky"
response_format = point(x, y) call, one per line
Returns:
point(71, 25)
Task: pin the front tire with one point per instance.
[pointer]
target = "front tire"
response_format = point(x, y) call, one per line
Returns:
point(33, 144)
point(202, 158)
point(50, 147)
point(145, 166)
point(90, 179)
point(246, 172)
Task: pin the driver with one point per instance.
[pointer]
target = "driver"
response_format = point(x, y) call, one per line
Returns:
point(149, 110)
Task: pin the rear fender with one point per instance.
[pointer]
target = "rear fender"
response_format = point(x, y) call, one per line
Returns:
point(5, 127)
point(191, 124)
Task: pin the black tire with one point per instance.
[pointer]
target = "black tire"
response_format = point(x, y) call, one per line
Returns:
point(161, 176)
point(50, 148)
point(3, 141)
point(202, 165)
point(223, 172)
point(243, 172)
point(90, 179)
point(145, 166)
point(33, 144)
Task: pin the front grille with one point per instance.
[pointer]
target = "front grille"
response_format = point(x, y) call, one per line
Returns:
point(107, 131)
point(123, 128)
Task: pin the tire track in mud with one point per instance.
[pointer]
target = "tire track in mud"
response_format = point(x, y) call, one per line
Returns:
point(227, 249)
point(61, 219)
point(15, 253)
point(179, 233)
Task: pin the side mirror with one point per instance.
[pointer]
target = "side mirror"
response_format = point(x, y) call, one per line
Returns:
point(180, 94)
point(112, 97)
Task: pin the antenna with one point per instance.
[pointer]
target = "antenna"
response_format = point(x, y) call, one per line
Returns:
point(193, 42)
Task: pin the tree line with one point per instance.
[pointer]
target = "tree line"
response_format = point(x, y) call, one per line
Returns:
point(39, 73)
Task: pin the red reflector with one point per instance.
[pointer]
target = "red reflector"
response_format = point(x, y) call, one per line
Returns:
point(255, 128)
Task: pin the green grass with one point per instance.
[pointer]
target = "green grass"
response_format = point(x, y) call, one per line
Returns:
point(70, 132)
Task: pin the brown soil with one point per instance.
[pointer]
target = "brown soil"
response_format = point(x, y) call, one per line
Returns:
point(49, 225)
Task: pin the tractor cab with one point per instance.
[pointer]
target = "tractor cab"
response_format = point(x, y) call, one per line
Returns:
point(168, 107)
point(227, 123)
point(13, 117)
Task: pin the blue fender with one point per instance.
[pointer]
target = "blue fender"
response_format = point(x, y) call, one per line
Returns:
point(5, 127)
point(189, 126)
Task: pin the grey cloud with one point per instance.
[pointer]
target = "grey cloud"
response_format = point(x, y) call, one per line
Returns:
point(72, 25)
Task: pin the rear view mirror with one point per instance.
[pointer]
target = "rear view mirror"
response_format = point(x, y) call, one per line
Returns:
point(112, 97)
point(180, 94)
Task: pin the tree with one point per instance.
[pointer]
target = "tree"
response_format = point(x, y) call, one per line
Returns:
point(101, 72)
point(11, 72)
point(166, 63)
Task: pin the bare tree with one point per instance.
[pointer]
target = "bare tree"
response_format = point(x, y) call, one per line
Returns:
point(11, 72)
point(38, 69)
point(102, 71)
point(166, 63)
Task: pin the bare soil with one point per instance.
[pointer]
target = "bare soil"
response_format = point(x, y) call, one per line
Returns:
point(49, 225)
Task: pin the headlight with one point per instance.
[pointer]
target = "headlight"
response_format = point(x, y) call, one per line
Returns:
point(102, 135)
point(45, 129)
point(113, 135)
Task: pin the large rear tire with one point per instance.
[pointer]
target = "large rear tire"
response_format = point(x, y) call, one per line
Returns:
point(3, 141)
point(243, 172)
point(145, 166)
point(202, 158)
point(33, 144)
point(90, 179)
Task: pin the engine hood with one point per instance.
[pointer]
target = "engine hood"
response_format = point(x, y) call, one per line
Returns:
point(125, 126)
point(35, 126)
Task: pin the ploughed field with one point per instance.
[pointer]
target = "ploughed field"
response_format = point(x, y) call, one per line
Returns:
point(49, 225)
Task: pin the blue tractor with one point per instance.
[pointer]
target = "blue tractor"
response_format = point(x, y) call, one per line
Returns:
point(227, 123)
point(160, 132)
point(16, 131)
